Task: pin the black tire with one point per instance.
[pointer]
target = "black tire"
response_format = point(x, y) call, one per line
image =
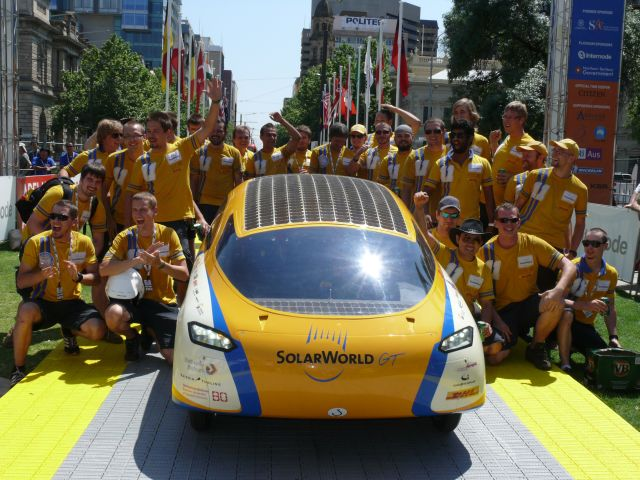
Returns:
point(446, 423)
point(199, 420)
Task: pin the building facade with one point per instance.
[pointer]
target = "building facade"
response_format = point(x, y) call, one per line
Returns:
point(8, 87)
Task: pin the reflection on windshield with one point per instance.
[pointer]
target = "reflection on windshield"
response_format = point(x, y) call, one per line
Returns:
point(354, 270)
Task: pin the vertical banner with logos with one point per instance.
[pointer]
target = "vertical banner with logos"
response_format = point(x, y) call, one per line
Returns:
point(593, 79)
point(7, 209)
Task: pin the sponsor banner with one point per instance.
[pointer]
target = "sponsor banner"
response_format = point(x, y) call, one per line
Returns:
point(593, 85)
point(7, 207)
point(363, 24)
point(623, 227)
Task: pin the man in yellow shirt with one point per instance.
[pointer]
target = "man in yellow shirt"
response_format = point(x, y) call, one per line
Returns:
point(194, 123)
point(271, 160)
point(548, 200)
point(164, 170)
point(463, 174)
point(595, 284)
point(396, 162)
point(329, 158)
point(215, 171)
point(118, 168)
point(413, 176)
point(465, 109)
point(507, 160)
point(513, 258)
point(52, 265)
point(155, 252)
point(108, 137)
point(373, 164)
point(447, 217)
point(241, 140)
point(533, 158)
point(300, 161)
point(352, 155)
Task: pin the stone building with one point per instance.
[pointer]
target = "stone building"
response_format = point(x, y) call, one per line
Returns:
point(313, 39)
point(47, 46)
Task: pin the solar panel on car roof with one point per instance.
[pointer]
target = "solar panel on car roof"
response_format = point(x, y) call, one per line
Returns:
point(289, 199)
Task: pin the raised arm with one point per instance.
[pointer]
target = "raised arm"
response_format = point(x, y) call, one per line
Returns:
point(214, 92)
point(408, 117)
point(294, 134)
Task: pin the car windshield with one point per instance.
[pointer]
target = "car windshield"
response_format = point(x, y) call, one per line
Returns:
point(327, 270)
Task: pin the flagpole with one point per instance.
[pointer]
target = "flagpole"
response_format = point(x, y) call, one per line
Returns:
point(340, 97)
point(399, 62)
point(179, 79)
point(168, 58)
point(347, 99)
point(189, 82)
point(358, 86)
point(380, 55)
point(367, 76)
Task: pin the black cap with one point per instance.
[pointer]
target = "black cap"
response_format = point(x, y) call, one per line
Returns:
point(471, 226)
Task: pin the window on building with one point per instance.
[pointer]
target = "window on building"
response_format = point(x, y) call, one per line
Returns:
point(42, 63)
point(109, 6)
point(53, 5)
point(135, 14)
point(84, 5)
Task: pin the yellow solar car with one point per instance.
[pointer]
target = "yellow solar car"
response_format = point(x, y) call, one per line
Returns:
point(315, 296)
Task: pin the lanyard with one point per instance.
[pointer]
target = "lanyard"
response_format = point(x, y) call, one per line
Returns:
point(81, 222)
point(334, 165)
point(56, 261)
point(147, 268)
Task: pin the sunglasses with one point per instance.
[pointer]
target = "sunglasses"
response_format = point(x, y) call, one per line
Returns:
point(357, 135)
point(383, 132)
point(457, 135)
point(450, 215)
point(509, 220)
point(436, 131)
point(592, 243)
point(116, 135)
point(58, 216)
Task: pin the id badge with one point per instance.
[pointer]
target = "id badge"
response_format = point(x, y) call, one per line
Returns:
point(59, 294)
point(148, 287)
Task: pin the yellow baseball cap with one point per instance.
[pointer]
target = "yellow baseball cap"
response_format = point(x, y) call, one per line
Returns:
point(569, 145)
point(534, 146)
point(358, 128)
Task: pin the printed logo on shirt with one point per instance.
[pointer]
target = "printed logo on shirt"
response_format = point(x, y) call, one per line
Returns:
point(475, 168)
point(525, 261)
point(227, 161)
point(173, 157)
point(603, 285)
point(474, 282)
point(569, 197)
point(540, 191)
point(78, 257)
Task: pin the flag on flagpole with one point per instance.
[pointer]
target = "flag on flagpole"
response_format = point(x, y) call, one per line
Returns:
point(199, 78)
point(404, 72)
point(368, 76)
point(167, 43)
point(380, 67)
point(326, 107)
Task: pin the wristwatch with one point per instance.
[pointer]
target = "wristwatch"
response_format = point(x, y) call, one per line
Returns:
point(79, 279)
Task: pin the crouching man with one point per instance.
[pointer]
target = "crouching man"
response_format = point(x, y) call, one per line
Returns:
point(592, 292)
point(154, 251)
point(52, 265)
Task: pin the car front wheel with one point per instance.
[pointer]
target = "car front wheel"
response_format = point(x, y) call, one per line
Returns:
point(446, 423)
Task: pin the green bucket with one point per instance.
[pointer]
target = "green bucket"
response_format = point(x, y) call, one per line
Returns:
point(613, 369)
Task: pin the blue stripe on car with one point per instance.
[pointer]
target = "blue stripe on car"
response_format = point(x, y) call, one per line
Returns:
point(238, 363)
point(422, 403)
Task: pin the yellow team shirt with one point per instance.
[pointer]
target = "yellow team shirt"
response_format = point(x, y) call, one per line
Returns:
point(323, 160)
point(299, 161)
point(119, 167)
point(414, 175)
point(98, 222)
point(445, 240)
point(507, 157)
point(218, 169)
point(245, 159)
point(515, 270)
point(95, 155)
point(550, 204)
point(126, 246)
point(463, 181)
point(514, 187)
point(392, 166)
point(165, 173)
point(43, 251)
point(373, 163)
point(472, 279)
point(592, 285)
point(268, 163)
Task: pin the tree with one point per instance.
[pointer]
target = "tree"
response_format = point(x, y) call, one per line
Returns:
point(112, 82)
point(631, 70)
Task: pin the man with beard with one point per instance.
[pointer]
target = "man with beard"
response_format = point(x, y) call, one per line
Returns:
point(396, 162)
point(507, 160)
point(414, 175)
point(271, 160)
point(533, 157)
point(373, 165)
point(154, 251)
point(52, 265)
point(328, 158)
point(301, 158)
point(549, 199)
point(462, 173)
point(215, 170)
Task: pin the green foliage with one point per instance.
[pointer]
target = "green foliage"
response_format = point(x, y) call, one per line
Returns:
point(531, 90)
point(631, 70)
point(305, 106)
point(112, 82)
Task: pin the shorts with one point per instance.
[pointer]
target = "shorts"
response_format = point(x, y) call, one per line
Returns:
point(585, 337)
point(70, 314)
point(185, 232)
point(209, 212)
point(159, 317)
point(520, 317)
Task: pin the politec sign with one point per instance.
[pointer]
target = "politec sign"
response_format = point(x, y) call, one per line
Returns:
point(363, 24)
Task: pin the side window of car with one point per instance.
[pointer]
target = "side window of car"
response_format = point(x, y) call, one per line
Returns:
point(208, 240)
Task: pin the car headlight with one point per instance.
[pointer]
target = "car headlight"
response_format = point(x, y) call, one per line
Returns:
point(457, 341)
point(210, 337)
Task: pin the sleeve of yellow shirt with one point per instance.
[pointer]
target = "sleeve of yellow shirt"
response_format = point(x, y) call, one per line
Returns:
point(45, 205)
point(443, 254)
point(194, 163)
point(118, 247)
point(487, 178)
point(510, 190)
point(175, 249)
point(313, 162)
point(546, 255)
point(237, 160)
point(136, 181)
point(188, 146)
point(581, 202)
point(527, 186)
point(90, 251)
point(30, 255)
point(77, 163)
point(99, 220)
point(433, 179)
point(251, 165)
point(408, 173)
point(486, 290)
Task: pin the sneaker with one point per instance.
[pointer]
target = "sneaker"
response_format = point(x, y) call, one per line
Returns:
point(132, 349)
point(15, 377)
point(145, 341)
point(537, 354)
point(111, 337)
point(566, 368)
point(71, 345)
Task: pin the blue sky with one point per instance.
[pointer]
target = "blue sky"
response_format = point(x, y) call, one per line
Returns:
point(261, 42)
